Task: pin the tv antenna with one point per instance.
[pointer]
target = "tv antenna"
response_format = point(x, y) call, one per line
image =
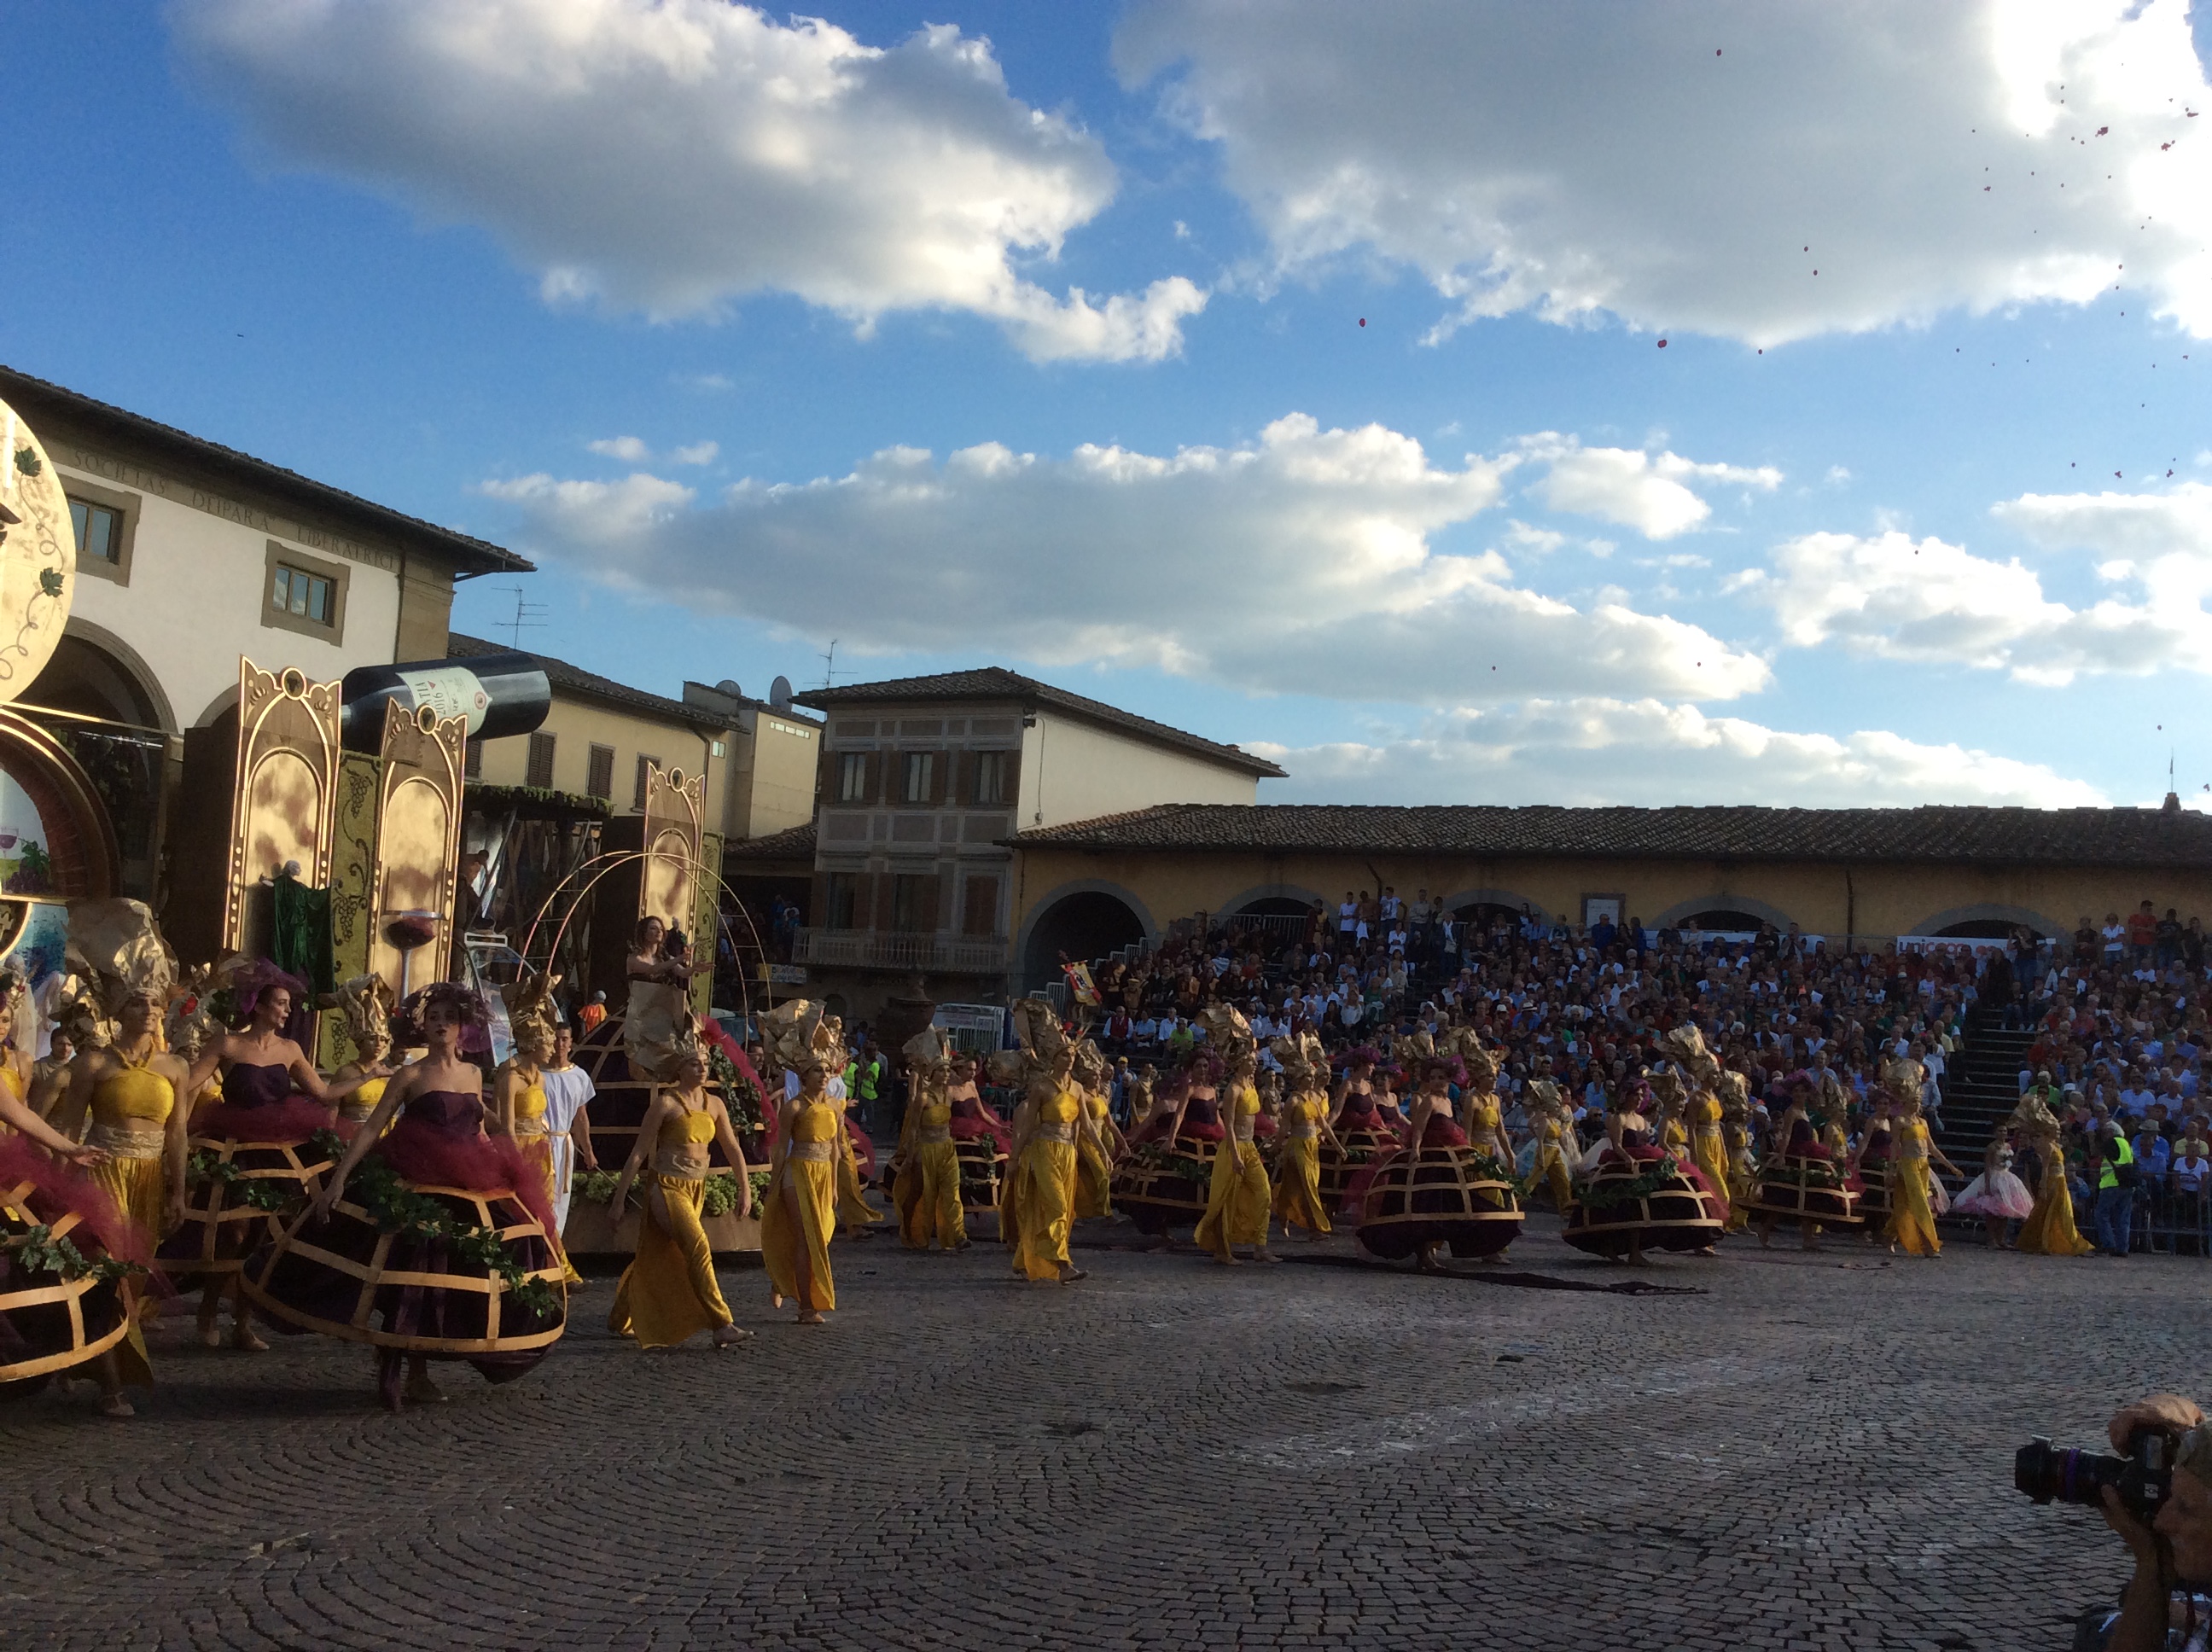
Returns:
point(528, 615)
point(829, 665)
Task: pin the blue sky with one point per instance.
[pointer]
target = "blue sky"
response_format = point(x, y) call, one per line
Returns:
point(697, 306)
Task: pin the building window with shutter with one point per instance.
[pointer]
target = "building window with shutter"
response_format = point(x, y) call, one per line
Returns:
point(980, 915)
point(540, 772)
point(644, 766)
point(472, 760)
point(844, 901)
point(990, 777)
point(914, 902)
point(920, 770)
point(852, 777)
point(599, 774)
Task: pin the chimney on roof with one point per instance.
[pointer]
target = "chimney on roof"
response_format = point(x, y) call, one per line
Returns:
point(2171, 805)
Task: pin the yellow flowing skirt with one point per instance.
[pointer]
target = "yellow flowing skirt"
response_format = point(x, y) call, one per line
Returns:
point(854, 1210)
point(1040, 1195)
point(785, 1238)
point(1911, 1217)
point(668, 1292)
point(1551, 1173)
point(1297, 1185)
point(2050, 1230)
point(1709, 1152)
point(1236, 1201)
point(928, 1194)
point(1094, 1179)
point(538, 1152)
point(139, 1187)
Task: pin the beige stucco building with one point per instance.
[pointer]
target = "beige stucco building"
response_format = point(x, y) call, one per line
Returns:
point(925, 778)
point(190, 555)
point(1876, 873)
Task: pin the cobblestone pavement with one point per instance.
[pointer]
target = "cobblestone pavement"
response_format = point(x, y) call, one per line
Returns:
point(1816, 1452)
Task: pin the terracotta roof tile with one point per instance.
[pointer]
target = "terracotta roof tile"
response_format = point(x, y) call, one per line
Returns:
point(996, 682)
point(2115, 837)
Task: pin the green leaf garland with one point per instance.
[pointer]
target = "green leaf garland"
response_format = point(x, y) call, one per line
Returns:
point(396, 1208)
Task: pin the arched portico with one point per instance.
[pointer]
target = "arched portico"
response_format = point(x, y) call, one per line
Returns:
point(1084, 919)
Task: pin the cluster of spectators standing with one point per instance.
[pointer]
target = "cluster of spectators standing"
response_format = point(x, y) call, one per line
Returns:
point(2117, 1018)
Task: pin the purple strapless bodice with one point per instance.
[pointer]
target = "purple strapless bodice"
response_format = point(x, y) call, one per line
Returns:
point(450, 1111)
point(250, 1085)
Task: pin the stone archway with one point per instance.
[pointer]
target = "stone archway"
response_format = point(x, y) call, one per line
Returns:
point(1988, 920)
point(1708, 909)
point(1086, 920)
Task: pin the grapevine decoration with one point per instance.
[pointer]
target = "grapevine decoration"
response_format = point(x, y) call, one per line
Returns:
point(254, 1193)
point(1604, 1195)
point(42, 1253)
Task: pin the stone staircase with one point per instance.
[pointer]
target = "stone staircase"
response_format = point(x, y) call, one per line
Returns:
point(1982, 1088)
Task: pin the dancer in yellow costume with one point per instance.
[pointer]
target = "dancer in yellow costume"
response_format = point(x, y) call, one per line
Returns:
point(366, 1003)
point(122, 1099)
point(518, 1092)
point(802, 1197)
point(2048, 1230)
point(1238, 1202)
point(668, 1293)
point(1101, 1142)
point(926, 1180)
point(1038, 1207)
point(1911, 1209)
point(1553, 1125)
point(1305, 1127)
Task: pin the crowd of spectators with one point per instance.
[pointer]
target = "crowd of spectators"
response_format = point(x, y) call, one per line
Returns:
point(2119, 1012)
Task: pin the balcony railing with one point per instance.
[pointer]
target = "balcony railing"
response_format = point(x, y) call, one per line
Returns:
point(876, 949)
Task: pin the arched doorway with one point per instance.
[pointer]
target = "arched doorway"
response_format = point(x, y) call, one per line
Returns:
point(1275, 906)
point(1723, 918)
point(1083, 924)
point(97, 676)
point(1979, 929)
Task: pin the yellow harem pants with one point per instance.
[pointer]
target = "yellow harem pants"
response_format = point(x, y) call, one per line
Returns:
point(1094, 1179)
point(1709, 1152)
point(2050, 1230)
point(1236, 1201)
point(1297, 1185)
point(1040, 1195)
point(1911, 1217)
point(854, 1210)
point(139, 1187)
point(786, 1238)
point(1551, 1173)
point(538, 1152)
point(669, 1292)
point(928, 1194)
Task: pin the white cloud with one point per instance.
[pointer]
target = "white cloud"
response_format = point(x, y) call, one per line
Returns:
point(1600, 751)
point(1692, 165)
point(1644, 491)
point(669, 155)
point(1901, 599)
point(633, 450)
point(1299, 563)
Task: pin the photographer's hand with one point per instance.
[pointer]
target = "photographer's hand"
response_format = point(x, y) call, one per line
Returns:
point(2143, 1621)
point(2167, 1413)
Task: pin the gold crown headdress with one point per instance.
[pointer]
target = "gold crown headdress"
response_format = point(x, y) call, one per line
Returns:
point(116, 945)
point(366, 1003)
point(82, 1015)
point(532, 1013)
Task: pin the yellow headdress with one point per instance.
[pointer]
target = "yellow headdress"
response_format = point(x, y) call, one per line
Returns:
point(366, 1003)
point(116, 945)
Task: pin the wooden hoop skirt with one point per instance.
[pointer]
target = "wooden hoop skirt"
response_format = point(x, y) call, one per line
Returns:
point(349, 1279)
point(1361, 1149)
point(217, 1234)
point(1155, 1187)
point(47, 1323)
point(1443, 1195)
point(1797, 1188)
point(1874, 1205)
point(982, 1173)
point(1678, 1215)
